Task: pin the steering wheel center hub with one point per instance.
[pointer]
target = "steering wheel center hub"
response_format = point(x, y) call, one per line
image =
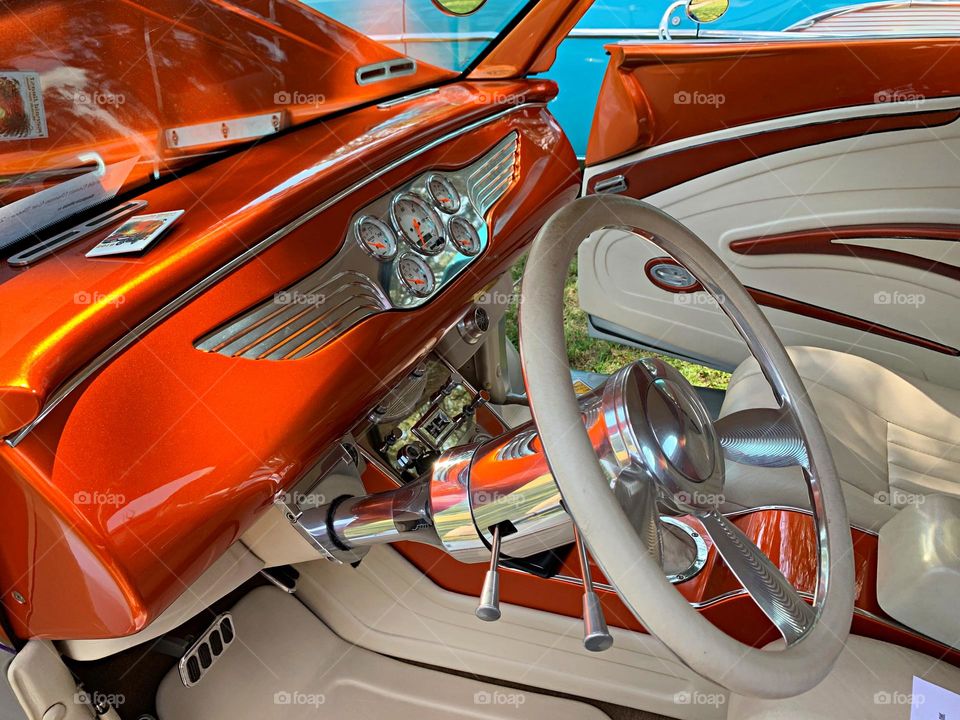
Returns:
point(681, 428)
point(657, 425)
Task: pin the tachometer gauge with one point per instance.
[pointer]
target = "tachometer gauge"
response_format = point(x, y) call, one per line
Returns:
point(464, 236)
point(375, 237)
point(416, 275)
point(418, 223)
point(444, 194)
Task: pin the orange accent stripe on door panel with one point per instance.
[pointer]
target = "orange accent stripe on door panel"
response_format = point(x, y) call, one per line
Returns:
point(798, 307)
point(821, 241)
point(647, 176)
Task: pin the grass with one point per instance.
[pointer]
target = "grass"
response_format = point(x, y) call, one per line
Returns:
point(600, 356)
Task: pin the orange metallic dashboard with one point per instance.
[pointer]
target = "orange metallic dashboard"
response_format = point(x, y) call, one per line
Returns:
point(146, 430)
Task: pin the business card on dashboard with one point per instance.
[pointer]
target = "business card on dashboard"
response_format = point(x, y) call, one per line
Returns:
point(136, 234)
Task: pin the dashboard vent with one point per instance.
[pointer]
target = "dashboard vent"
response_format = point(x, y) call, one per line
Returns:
point(490, 181)
point(385, 70)
point(300, 320)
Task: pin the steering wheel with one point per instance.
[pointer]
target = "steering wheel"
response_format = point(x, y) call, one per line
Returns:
point(675, 451)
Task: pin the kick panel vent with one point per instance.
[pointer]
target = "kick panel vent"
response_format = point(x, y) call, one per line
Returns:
point(207, 650)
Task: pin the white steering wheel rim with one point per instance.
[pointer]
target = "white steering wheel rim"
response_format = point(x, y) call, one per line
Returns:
point(614, 544)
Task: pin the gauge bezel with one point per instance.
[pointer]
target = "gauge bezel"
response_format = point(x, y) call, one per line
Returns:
point(386, 227)
point(449, 183)
point(430, 210)
point(459, 220)
point(419, 259)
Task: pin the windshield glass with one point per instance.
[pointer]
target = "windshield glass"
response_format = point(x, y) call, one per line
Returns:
point(421, 30)
point(132, 91)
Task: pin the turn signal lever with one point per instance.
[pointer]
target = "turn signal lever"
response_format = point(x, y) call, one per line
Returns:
point(489, 607)
point(596, 636)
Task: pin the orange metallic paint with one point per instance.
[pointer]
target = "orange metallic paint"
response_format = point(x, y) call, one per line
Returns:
point(115, 75)
point(179, 449)
point(638, 105)
point(61, 312)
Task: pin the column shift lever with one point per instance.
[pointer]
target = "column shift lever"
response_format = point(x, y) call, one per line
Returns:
point(596, 636)
point(489, 607)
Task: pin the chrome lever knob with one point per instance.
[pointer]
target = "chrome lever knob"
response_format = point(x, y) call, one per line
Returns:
point(596, 635)
point(489, 607)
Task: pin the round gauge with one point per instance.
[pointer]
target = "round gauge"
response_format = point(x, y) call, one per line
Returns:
point(444, 194)
point(375, 237)
point(418, 223)
point(416, 275)
point(464, 236)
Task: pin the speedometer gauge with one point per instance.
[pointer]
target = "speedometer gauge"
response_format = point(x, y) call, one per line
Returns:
point(444, 194)
point(375, 237)
point(464, 236)
point(416, 275)
point(418, 223)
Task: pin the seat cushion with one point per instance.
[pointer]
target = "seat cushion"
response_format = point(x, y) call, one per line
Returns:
point(893, 437)
point(871, 679)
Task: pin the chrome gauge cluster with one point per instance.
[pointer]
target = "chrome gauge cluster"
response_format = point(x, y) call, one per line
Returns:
point(425, 233)
point(400, 251)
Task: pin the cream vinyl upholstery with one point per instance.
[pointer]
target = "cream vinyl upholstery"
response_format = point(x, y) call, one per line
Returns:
point(871, 680)
point(892, 436)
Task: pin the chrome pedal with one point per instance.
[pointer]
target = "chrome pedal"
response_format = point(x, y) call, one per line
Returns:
point(207, 649)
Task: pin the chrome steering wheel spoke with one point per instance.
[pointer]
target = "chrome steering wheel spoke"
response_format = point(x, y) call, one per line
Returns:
point(764, 582)
point(765, 437)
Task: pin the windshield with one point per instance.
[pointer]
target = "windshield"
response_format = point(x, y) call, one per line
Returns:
point(127, 92)
point(421, 30)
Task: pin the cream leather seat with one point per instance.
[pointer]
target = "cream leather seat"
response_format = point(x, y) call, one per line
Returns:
point(892, 436)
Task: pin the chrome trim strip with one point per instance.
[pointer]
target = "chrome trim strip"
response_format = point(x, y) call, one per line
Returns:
point(408, 98)
point(75, 380)
point(45, 248)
